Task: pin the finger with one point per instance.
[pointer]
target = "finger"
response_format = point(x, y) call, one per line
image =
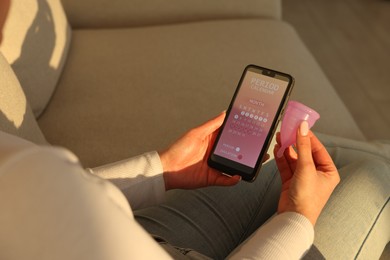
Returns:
point(303, 144)
point(212, 125)
point(210, 139)
point(265, 158)
point(283, 166)
point(291, 157)
point(223, 180)
point(278, 140)
point(321, 156)
point(289, 152)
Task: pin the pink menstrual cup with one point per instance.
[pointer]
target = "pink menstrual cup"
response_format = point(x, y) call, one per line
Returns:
point(294, 115)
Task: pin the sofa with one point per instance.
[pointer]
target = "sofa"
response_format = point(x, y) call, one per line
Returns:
point(123, 77)
point(112, 79)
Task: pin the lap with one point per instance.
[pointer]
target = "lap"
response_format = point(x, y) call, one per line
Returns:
point(215, 220)
point(355, 221)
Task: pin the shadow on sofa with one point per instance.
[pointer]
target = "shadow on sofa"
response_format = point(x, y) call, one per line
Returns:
point(41, 29)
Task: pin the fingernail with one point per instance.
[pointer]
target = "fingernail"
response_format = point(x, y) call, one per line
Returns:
point(304, 128)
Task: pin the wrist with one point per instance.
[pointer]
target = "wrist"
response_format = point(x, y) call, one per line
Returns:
point(165, 166)
point(163, 160)
point(310, 215)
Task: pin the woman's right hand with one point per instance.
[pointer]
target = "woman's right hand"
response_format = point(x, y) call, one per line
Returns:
point(309, 175)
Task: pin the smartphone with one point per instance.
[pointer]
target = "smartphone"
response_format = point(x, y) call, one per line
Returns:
point(251, 119)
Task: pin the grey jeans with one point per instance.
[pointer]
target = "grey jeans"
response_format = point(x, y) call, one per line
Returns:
point(355, 223)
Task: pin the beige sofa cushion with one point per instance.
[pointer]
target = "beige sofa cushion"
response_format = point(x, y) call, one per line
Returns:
point(130, 13)
point(15, 113)
point(127, 91)
point(36, 39)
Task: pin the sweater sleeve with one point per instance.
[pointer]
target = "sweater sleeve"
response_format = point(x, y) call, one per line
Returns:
point(286, 236)
point(56, 210)
point(139, 178)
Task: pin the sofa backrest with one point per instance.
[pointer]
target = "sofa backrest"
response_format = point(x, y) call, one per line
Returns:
point(16, 117)
point(133, 13)
point(36, 37)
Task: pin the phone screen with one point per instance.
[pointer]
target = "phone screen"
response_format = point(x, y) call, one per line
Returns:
point(250, 121)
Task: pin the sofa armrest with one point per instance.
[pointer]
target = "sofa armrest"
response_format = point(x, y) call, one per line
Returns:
point(123, 13)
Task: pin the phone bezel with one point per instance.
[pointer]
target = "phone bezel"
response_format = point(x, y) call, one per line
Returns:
point(230, 167)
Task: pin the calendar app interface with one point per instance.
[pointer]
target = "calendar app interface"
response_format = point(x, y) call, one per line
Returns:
point(251, 117)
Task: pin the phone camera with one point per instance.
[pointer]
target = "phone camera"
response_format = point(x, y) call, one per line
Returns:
point(269, 73)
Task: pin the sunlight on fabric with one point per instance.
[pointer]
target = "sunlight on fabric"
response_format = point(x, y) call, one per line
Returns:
point(41, 29)
point(15, 30)
point(35, 42)
point(13, 103)
point(60, 26)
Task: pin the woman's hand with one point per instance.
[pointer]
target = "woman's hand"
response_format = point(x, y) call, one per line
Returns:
point(309, 175)
point(185, 162)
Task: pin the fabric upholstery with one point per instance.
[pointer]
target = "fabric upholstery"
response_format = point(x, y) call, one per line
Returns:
point(16, 116)
point(36, 39)
point(140, 89)
point(120, 13)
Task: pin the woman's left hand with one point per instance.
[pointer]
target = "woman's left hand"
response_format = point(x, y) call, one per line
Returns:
point(185, 162)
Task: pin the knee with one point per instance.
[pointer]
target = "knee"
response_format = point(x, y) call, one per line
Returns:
point(369, 174)
point(356, 216)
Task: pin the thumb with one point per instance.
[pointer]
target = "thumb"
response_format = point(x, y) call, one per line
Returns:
point(305, 158)
point(212, 125)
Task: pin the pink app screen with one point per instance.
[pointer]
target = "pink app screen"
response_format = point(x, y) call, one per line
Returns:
point(251, 118)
